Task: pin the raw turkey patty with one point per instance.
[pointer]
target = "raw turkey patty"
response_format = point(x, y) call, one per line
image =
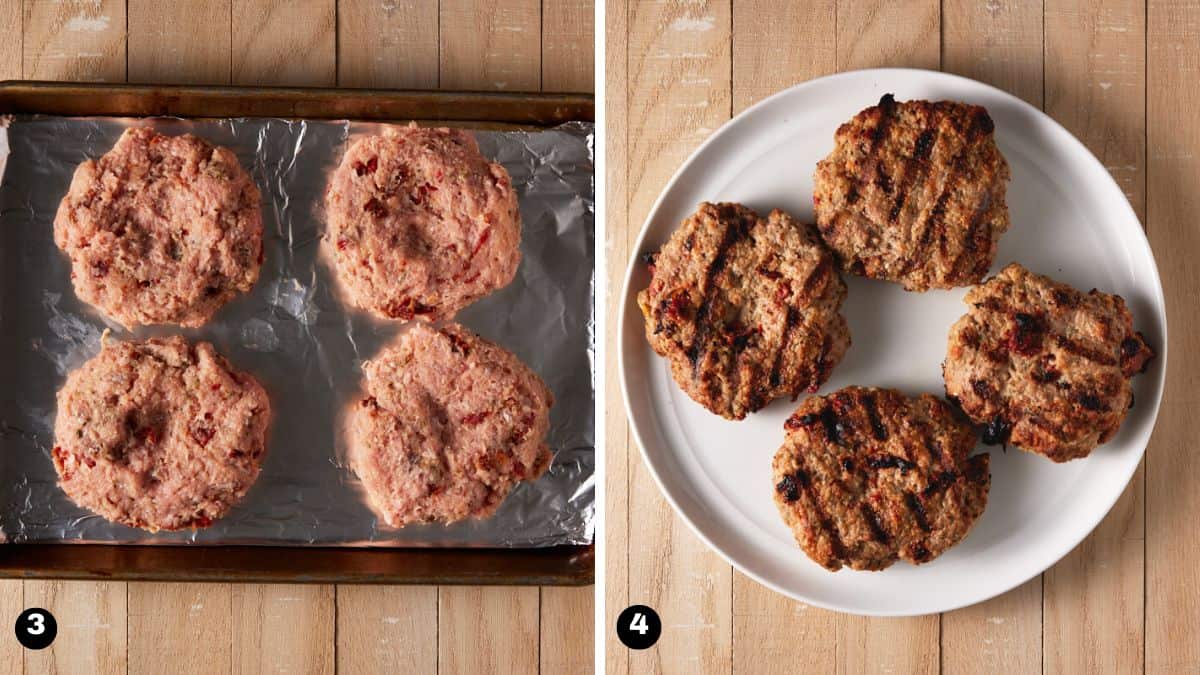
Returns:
point(161, 229)
point(449, 425)
point(421, 224)
point(160, 435)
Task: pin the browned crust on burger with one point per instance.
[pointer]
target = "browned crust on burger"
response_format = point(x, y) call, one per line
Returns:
point(160, 434)
point(745, 308)
point(914, 192)
point(867, 476)
point(1044, 366)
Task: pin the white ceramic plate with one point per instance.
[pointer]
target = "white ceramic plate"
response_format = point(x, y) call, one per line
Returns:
point(1070, 220)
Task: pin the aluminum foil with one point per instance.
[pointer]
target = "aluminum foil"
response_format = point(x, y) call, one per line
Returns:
point(296, 335)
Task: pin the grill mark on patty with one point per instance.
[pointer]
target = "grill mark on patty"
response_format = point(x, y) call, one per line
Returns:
point(917, 160)
point(971, 242)
point(821, 513)
point(998, 306)
point(877, 427)
point(1084, 351)
point(789, 321)
point(880, 535)
point(941, 481)
point(833, 426)
point(933, 222)
point(917, 509)
point(871, 159)
point(884, 461)
point(819, 275)
point(732, 234)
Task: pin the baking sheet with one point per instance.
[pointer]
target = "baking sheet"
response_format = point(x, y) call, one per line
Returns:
point(296, 335)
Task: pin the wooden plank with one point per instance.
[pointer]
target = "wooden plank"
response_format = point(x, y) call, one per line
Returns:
point(12, 603)
point(487, 629)
point(775, 47)
point(78, 40)
point(490, 44)
point(282, 42)
point(770, 629)
point(619, 232)
point(387, 629)
point(996, 42)
point(180, 628)
point(1173, 222)
point(568, 46)
point(11, 47)
point(876, 645)
point(1002, 635)
point(283, 628)
point(877, 34)
point(567, 632)
point(179, 42)
point(679, 61)
point(387, 44)
point(91, 627)
point(883, 33)
point(1096, 87)
point(999, 43)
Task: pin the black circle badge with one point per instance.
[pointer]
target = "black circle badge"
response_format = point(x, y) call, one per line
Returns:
point(639, 627)
point(36, 628)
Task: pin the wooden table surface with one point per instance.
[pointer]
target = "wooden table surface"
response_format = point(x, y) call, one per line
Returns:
point(1122, 76)
point(514, 45)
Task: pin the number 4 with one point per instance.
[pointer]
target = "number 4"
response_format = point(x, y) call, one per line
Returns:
point(639, 623)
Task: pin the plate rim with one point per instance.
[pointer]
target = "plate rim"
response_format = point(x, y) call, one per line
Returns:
point(1063, 135)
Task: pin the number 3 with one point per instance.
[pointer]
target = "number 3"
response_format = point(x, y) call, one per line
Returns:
point(39, 624)
point(639, 623)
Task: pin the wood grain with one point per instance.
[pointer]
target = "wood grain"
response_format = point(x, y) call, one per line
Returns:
point(1172, 218)
point(79, 40)
point(91, 627)
point(180, 628)
point(387, 44)
point(12, 603)
point(774, 48)
point(282, 628)
point(616, 547)
point(487, 629)
point(680, 91)
point(1002, 635)
point(999, 43)
point(387, 629)
point(567, 626)
point(490, 45)
point(568, 46)
point(11, 47)
point(881, 33)
point(1095, 86)
point(876, 645)
point(284, 42)
point(179, 42)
